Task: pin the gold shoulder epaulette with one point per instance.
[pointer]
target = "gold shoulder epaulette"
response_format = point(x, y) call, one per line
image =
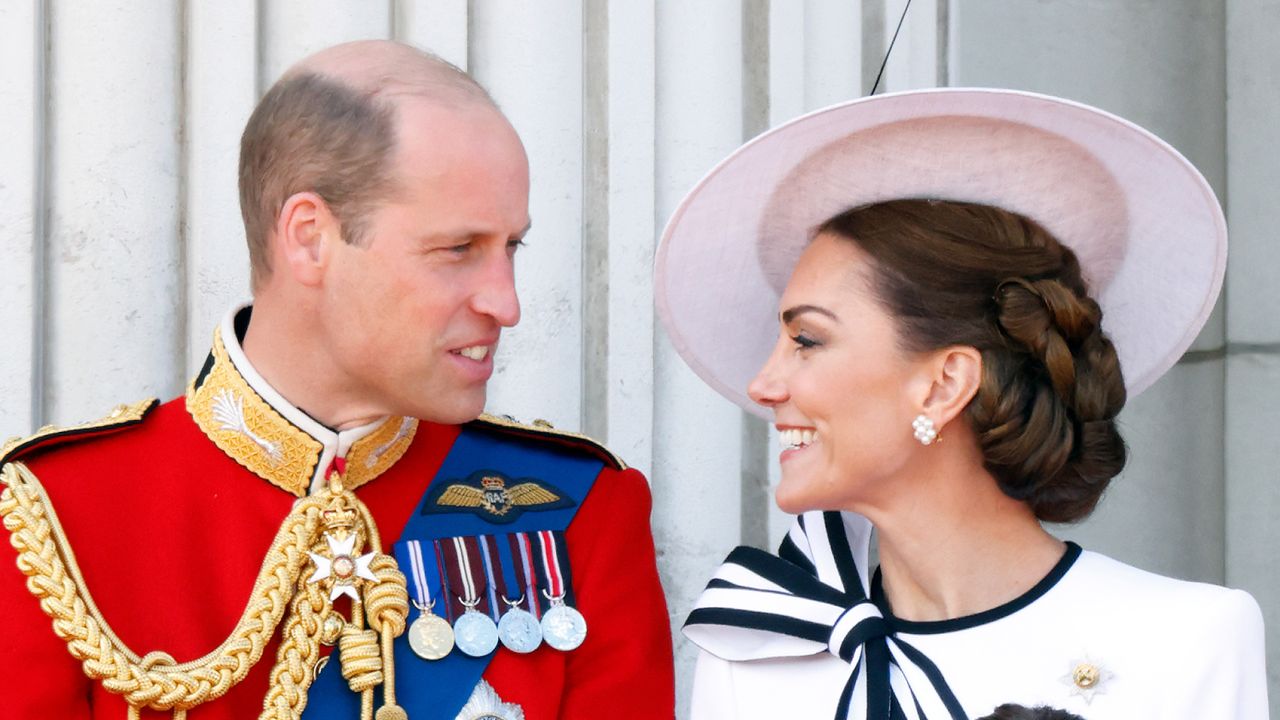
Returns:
point(123, 416)
point(541, 429)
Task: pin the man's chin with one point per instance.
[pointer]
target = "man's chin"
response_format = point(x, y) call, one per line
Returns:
point(451, 411)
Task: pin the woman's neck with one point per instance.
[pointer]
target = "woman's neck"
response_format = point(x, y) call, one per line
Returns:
point(959, 546)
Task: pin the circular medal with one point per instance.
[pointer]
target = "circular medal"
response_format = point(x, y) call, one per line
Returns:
point(430, 636)
point(475, 634)
point(519, 631)
point(563, 627)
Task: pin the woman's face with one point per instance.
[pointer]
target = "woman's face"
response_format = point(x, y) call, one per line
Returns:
point(842, 393)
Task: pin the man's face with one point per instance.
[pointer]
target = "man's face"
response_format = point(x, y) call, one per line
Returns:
point(412, 315)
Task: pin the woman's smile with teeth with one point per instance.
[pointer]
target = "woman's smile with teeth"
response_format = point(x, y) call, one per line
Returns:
point(792, 438)
point(474, 352)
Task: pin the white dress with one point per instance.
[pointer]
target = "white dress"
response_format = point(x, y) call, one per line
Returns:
point(1159, 648)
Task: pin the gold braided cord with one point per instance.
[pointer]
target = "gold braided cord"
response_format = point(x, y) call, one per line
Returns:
point(387, 605)
point(298, 655)
point(156, 680)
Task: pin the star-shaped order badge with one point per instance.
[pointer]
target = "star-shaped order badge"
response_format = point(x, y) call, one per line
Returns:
point(1087, 678)
point(343, 566)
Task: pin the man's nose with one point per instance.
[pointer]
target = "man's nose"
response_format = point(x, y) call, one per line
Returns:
point(496, 295)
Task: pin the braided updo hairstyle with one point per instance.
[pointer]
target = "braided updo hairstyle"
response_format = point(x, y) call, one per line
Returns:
point(954, 273)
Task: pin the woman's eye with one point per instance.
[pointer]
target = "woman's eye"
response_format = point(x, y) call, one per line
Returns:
point(460, 248)
point(804, 342)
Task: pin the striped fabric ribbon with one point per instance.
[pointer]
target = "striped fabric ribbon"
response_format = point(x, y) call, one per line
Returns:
point(810, 598)
point(421, 591)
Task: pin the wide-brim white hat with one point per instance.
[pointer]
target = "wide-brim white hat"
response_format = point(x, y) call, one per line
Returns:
point(1144, 223)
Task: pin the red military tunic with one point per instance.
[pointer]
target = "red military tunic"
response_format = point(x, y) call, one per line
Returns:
point(169, 528)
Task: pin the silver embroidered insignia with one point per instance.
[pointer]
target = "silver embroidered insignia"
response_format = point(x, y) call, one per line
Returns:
point(405, 425)
point(486, 705)
point(228, 410)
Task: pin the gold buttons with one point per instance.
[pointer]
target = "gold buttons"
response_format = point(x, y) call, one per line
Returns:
point(1085, 675)
point(1087, 678)
point(330, 631)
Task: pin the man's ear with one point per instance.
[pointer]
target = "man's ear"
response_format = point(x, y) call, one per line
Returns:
point(956, 376)
point(305, 232)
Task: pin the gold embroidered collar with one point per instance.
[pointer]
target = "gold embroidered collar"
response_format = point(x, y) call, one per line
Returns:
point(248, 420)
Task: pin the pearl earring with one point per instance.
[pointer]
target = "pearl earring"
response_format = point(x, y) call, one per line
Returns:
point(924, 430)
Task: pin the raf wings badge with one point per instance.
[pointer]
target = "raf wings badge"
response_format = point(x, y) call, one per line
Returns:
point(495, 497)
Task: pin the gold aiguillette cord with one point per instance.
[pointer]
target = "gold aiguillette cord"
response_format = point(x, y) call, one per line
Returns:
point(307, 535)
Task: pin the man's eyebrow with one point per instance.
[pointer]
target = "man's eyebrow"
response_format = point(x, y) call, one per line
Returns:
point(466, 233)
point(791, 313)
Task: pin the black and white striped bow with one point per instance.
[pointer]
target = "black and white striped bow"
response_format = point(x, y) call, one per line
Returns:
point(812, 597)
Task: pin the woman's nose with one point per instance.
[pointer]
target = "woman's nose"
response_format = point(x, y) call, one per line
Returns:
point(767, 387)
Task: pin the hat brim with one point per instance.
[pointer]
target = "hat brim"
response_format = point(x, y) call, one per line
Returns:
point(1144, 223)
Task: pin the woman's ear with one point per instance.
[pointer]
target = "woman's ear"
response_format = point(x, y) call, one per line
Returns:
point(956, 374)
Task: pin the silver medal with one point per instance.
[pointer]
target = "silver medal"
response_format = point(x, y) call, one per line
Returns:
point(474, 632)
point(430, 636)
point(563, 627)
point(518, 630)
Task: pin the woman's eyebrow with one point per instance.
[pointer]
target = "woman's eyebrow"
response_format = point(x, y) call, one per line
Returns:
point(791, 313)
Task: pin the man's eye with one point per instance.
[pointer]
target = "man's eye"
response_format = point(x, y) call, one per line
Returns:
point(460, 248)
point(804, 342)
point(514, 244)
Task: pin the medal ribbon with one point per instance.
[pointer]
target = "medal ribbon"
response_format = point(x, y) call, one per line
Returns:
point(495, 607)
point(563, 566)
point(511, 587)
point(812, 598)
point(553, 555)
point(419, 573)
point(549, 554)
point(528, 574)
point(445, 592)
point(463, 576)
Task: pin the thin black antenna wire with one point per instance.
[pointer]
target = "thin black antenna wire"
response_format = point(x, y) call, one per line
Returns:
point(885, 62)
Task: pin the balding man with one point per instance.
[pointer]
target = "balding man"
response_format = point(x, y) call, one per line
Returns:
point(322, 525)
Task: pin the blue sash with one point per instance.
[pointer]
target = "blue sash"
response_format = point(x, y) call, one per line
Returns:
point(437, 690)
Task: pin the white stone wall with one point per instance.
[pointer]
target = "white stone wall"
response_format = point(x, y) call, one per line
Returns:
point(121, 245)
point(1252, 349)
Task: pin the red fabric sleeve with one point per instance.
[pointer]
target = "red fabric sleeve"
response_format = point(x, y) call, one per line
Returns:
point(624, 668)
point(41, 679)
